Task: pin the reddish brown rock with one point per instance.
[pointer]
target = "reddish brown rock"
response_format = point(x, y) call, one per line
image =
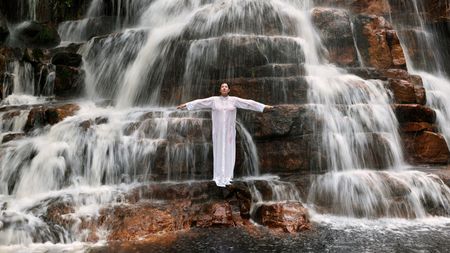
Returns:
point(40, 116)
point(217, 214)
point(378, 42)
point(426, 148)
point(376, 7)
point(410, 127)
point(403, 91)
point(419, 90)
point(57, 114)
point(414, 113)
point(287, 217)
point(133, 223)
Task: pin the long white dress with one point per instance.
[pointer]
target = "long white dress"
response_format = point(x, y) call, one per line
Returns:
point(224, 131)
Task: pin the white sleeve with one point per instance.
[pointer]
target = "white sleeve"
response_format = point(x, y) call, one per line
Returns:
point(205, 103)
point(249, 104)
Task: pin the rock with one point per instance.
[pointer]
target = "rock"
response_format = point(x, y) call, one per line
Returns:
point(336, 33)
point(287, 217)
point(217, 214)
point(375, 7)
point(12, 136)
point(414, 113)
point(426, 148)
point(4, 31)
point(419, 90)
point(138, 222)
point(378, 43)
point(403, 91)
point(67, 59)
point(68, 81)
point(55, 11)
point(297, 154)
point(59, 113)
point(411, 127)
point(56, 213)
point(33, 34)
point(41, 116)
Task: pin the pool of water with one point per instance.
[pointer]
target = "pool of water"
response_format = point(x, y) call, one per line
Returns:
point(329, 234)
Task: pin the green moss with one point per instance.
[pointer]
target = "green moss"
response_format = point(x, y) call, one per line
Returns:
point(46, 35)
point(68, 3)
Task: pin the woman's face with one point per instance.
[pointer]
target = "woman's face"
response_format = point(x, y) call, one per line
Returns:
point(224, 89)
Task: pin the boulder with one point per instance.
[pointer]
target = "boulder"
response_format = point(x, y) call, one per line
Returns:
point(403, 91)
point(33, 34)
point(287, 217)
point(67, 59)
point(414, 113)
point(68, 81)
point(426, 148)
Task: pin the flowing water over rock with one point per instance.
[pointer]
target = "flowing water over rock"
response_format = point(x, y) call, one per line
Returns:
point(70, 173)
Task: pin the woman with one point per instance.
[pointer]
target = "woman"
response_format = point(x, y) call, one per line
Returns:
point(224, 129)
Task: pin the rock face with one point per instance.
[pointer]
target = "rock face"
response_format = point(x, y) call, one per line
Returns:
point(288, 217)
point(426, 147)
point(33, 34)
point(186, 206)
point(4, 31)
point(378, 42)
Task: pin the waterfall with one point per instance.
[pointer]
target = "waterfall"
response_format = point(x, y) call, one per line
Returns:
point(425, 61)
point(32, 7)
point(102, 18)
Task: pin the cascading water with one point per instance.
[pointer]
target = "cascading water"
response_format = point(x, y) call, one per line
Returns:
point(425, 60)
point(102, 18)
point(360, 131)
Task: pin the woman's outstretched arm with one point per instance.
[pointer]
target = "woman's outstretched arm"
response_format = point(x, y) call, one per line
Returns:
point(205, 103)
point(251, 105)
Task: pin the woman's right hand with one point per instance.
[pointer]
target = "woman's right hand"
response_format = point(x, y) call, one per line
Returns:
point(181, 107)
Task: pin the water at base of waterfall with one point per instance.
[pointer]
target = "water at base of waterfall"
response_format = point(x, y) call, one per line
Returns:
point(331, 234)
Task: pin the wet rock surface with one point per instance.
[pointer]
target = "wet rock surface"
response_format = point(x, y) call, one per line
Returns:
point(425, 147)
point(337, 34)
point(34, 34)
point(41, 116)
point(287, 217)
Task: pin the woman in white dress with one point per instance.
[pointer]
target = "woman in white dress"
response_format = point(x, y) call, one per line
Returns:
point(224, 129)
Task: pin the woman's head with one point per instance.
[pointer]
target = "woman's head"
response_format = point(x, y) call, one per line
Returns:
point(224, 89)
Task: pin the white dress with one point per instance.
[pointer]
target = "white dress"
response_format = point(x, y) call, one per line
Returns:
point(224, 131)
